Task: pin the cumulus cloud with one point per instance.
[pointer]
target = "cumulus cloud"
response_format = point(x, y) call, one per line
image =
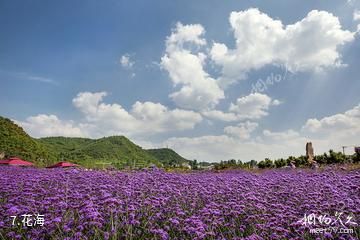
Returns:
point(126, 61)
point(242, 130)
point(185, 34)
point(103, 119)
point(43, 125)
point(261, 40)
point(252, 106)
point(143, 118)
point(88, 102)
point(349, 120)
point(185, 65)
point(161, 119)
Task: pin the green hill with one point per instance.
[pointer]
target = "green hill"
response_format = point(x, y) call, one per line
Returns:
point(62, 145)
point(167, 156)
point(14, 141)
point(116, 150)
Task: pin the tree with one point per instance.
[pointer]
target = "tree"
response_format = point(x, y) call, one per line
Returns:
point(356, 157)
point(194, 164)
point(280, 163)
point(232, 162)
point(301, 161)
point(336, 157)
point(267, 163)
point(253, 163)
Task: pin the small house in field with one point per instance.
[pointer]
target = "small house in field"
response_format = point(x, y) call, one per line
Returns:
point(63, 165)
point(14, 161)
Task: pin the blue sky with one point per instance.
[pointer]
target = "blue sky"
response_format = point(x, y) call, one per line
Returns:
point(185, 74)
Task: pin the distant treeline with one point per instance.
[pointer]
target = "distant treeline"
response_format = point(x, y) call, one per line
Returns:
point(331, 157)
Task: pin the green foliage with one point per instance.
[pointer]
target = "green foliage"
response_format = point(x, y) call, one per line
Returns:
point(356, 157)
point(14, 141)
point(251, 164)
point(280, 163)
point(194, 164)
point(168, 157)
point(267, 163)
point(301, 161)
point(204, 164)
point(63, 144)
point(332, 158)
point(327, 158)
point(233, 164)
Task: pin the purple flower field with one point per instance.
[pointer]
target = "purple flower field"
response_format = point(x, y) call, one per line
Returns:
point(154, 204)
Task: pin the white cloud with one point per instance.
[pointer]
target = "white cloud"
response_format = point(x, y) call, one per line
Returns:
point(126, 61)
point(348, 121)
point(356, 15)
point(102, 119)
point(261, 40)
point(30, 76)
point(144, 118)
point(160, 119)
point(342, 129)
point(43, 79)
point(185, 34)
point(198, 90)
point(351, 2)
point(44, 125)
point(242, 130)
point(276, 102)
point(88, 102)
point(285, 135)
point(220, 115)
point(253, 106)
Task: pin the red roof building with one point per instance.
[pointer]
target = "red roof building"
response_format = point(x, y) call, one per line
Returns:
point(63, 165)
point(15, 162)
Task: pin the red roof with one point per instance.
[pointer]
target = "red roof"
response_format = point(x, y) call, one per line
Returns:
point(63, 165)
point(16, 162)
